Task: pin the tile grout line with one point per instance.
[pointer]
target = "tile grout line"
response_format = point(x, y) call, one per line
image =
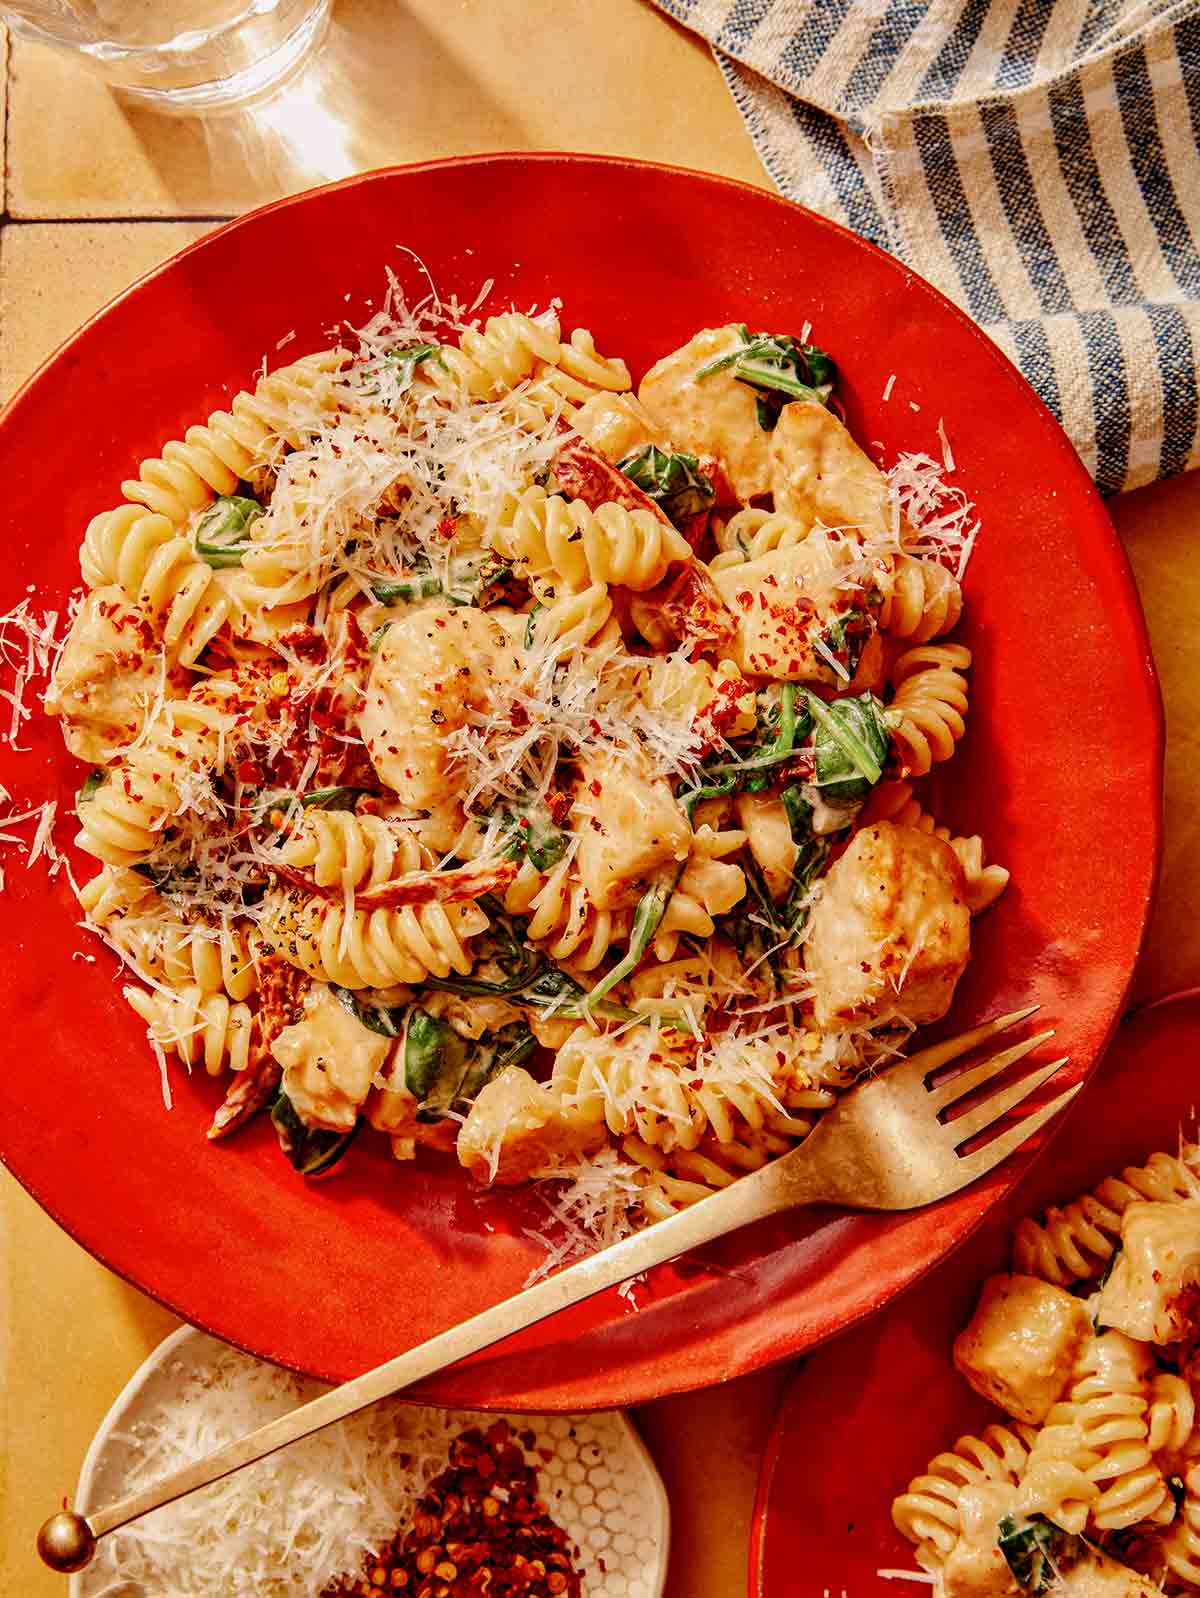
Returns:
point(111, 221)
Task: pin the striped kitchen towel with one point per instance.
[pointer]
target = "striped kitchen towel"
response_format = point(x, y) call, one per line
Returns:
point(1037, 160)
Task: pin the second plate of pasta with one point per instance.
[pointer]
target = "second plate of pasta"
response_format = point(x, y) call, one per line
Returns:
point(1031, 1412)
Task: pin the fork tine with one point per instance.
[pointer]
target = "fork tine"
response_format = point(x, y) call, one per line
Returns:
point(973, 1166)
point(959, 1086)
point(998, 1104)
point(938, 1054)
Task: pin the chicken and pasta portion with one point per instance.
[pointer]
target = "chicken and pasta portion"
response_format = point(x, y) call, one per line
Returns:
point(524, 763)
point(1090, 1484)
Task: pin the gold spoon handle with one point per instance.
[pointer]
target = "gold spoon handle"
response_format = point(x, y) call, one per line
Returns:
point(67, 1540)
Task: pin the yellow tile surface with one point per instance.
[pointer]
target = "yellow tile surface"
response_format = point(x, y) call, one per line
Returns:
point(54, 275)
point(393, 83)
point(1159, 527)
point(3, 113)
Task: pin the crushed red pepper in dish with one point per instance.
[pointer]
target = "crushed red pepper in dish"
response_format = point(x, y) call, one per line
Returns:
point(479, 1528)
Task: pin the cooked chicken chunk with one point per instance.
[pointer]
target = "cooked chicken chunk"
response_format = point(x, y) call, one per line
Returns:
point(820, 476)
point(1019, 1347)
point(790, 605)
point(329, 1059)
point(713, 415)
point(518, 1129)
point(433, 667)
point(629, 824)
point(109, 674)
point(890, 933)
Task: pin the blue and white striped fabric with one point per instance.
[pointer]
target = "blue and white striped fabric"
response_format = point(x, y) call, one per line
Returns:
point(1037, 160)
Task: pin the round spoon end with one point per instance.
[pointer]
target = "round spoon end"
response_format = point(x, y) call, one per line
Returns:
point(66, 1542)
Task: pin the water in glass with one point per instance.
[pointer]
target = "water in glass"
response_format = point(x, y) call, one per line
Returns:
point(183, 55)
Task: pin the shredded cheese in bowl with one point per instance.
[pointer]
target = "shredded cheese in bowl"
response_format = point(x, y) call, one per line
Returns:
point(292, 1524)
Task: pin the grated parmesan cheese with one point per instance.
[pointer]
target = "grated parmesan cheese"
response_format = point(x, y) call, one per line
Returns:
point(282, 1528)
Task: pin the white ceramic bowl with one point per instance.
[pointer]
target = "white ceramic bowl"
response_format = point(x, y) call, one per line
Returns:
point(602, 1485)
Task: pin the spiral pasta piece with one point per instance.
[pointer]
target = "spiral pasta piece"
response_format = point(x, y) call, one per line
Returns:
point(581, 372)
point(1057, 1480)
point(662, 1193)
point(114, 892)
point(552, 537)
point(197, 1025)
point(165, 774)
point(983, 882)
point(1172, 1415)
point(929, 704)
point(753, 532)
point(158, 569)
point(165, 950)
point(370, 948)
point(729, 1114)
point(567, 624)
point(1180, 1547)
point(342, 848)
point(213, 456)
point(1076, 1242)
point(562, 918)
point(1111, 1408)
point(488, 364)
point(927, 1512)
point(923, 600)
point(708, 886)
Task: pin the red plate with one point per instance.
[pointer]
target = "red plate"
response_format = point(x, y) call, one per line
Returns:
point(1061, 770)
point(863, 1417)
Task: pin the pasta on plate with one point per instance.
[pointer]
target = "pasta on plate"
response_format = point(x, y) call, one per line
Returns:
point(1092, 1486)
point(522, 765)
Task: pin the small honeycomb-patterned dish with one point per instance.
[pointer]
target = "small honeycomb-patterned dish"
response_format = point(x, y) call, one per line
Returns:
point(597, 1478)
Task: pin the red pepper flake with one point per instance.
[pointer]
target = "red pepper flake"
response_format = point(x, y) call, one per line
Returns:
point(250, 773)
point(481, 1527)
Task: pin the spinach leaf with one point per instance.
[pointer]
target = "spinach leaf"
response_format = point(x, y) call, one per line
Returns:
point(781, 369)
point(504, 963)
point(96, 778)
point(406, 361)
point(532, 832)
point(444, 1070)
point(812, 852)
point(559, 992)
point(850, 745)
point(388, 1023)
point(310, 1150)
point(167, 879)
point(332, 798)
point(464, 579)
point(845, 637)
point(651, 908)
point(673, 481)
point(714, 790)
point(781, 724)
point(393, 373)
point(268, 799)
point(1034, 1549)
point(222, 533)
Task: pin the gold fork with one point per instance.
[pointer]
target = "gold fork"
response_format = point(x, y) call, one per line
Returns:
point(883, 1146)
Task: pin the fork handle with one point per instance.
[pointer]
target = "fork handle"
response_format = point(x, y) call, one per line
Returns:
point(746, 1200)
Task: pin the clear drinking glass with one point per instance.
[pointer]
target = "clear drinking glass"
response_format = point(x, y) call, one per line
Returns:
point(186, 56)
